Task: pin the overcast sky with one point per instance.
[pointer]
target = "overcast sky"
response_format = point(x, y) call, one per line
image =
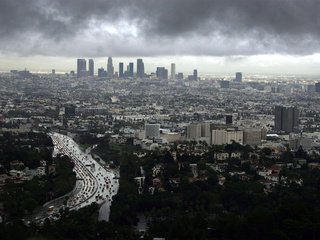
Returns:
point(267, 36)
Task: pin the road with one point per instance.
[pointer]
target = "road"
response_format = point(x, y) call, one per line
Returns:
point(95, 183)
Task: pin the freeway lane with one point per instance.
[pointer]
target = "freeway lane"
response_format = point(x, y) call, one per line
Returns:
point(95, 183)
point(99, 184)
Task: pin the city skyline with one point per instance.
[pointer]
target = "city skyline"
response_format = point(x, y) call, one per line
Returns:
point(278, 37)
point(206, 65)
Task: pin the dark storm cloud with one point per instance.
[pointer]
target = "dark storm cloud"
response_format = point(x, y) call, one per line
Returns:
point(182, 27)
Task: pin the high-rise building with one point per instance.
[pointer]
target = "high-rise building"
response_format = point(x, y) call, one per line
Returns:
point(81, 68)
point(162, 73)
point(180, 76)
point(110, 68)
point(102, 73)
point(121, 70)
point(173, 71)
point(53, 72)
point(91, 67)
point(130, 70)
point(140, 68)
point(205, 129)
point(238, 77)
point(199, 132)
point(226, 136)
point(317, 86)
point(286, 118)
point(195, 75)
point(194, 131)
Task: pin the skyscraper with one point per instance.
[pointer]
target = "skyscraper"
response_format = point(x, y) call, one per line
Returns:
point(81, 68)
point(180, 76)
point(121, 70)
point(173, 71)
point(140, 68)
point(238, 77)
point(286, 118)
point(130, 72)
point(102, 73)
point(91, 67)
point(162, 73)
point(110, 68)
point(194, 131)
point(195, 74)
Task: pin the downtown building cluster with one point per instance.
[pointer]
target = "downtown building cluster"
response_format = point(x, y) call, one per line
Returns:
point(128, 72)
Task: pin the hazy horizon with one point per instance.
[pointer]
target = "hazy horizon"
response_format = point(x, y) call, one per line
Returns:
point(258, 64)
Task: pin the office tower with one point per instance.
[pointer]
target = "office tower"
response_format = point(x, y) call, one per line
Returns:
point(152, 130)
point(238, 77)
point(121, 70)
point(180, 76)
point(130, 70)
point(317, 86)
point(194, 131)
point(173, 71)
point(224, 84)
point(162, 73)
point(91, 67)
point(53, 72)
point(228, 119)
point(81, 68)
point(110, 69)
point(102, 72)
point(286, 118)
point(195, 74)
point(140, 68)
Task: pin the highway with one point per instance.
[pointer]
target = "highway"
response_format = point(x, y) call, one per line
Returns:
point(95, 183)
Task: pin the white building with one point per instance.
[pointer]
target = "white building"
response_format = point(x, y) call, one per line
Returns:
point(173, 71)
point(226, 136)
point(205, 129)
point(194, 131)
point(219, 137)
point(171, 137)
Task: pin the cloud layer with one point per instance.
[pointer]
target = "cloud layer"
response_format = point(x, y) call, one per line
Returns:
point(159, 27)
